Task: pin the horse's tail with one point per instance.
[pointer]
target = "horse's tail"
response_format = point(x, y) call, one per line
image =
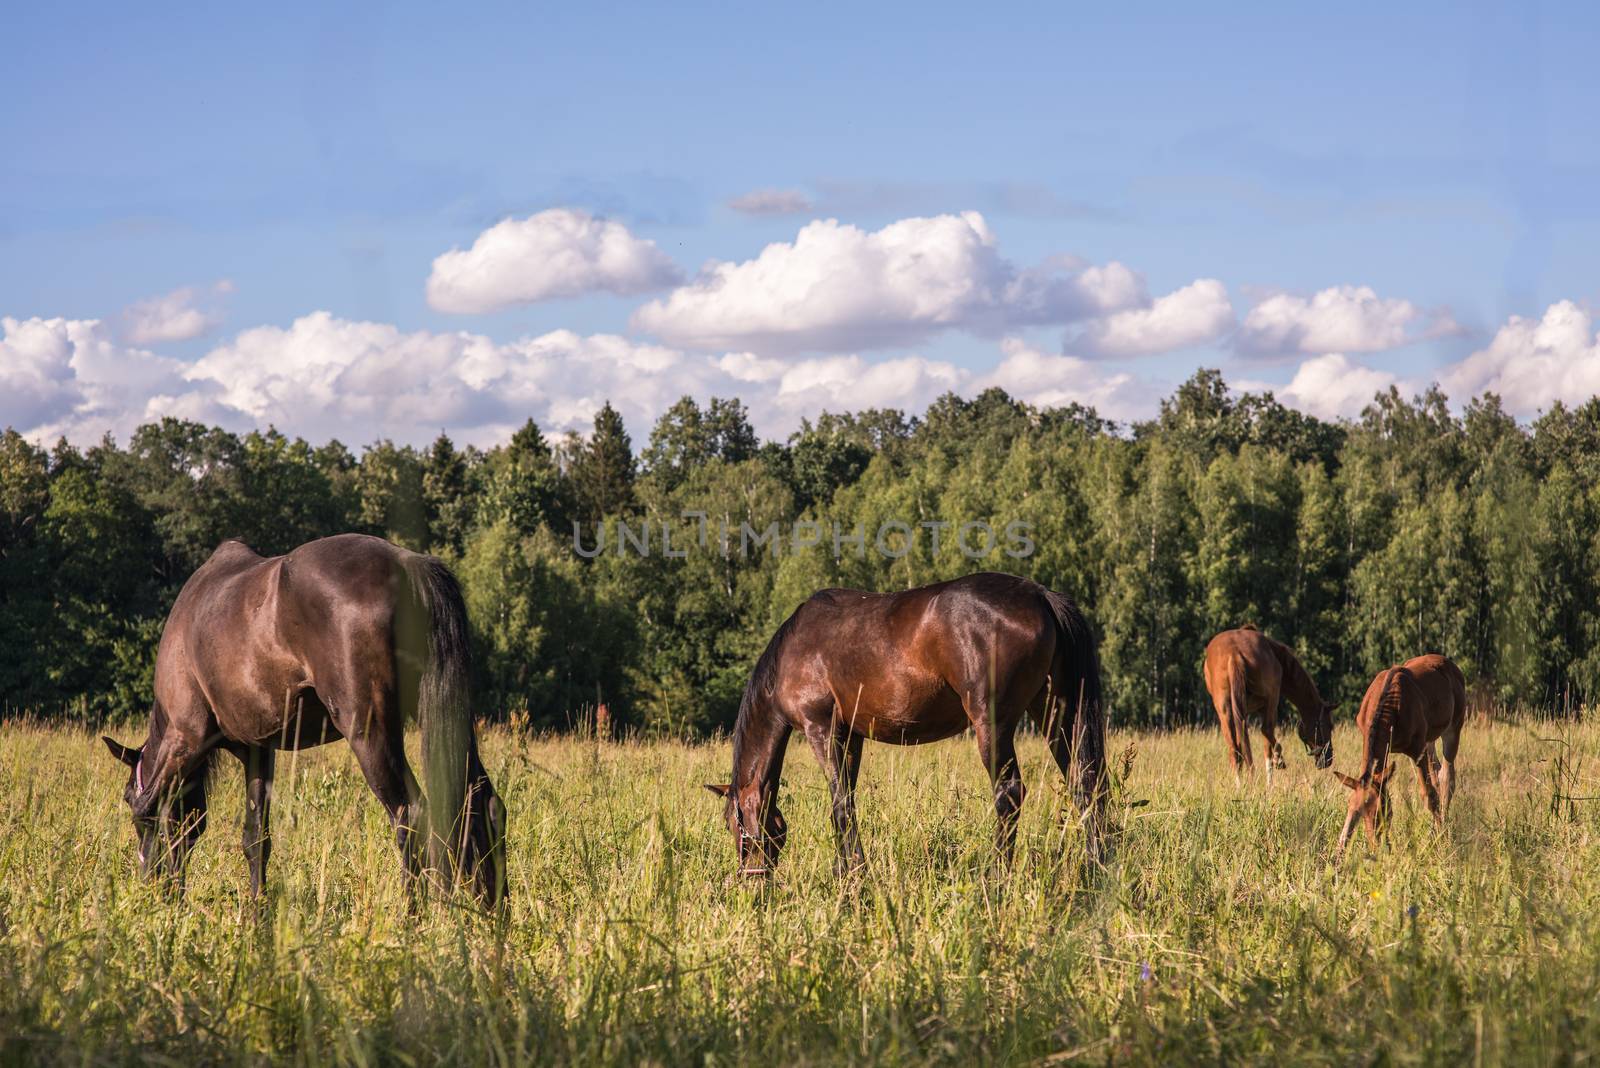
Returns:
point(1238, 700)
point(465, 821)
point(1077, 684)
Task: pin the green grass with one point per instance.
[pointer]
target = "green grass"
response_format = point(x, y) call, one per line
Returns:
point(626, 942)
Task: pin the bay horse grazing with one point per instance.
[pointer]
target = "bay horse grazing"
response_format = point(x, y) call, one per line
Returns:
point(1248, 672)
point(344, 637)
point(911, 667)
point(1416, 709)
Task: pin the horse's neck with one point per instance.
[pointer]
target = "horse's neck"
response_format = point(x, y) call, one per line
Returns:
point(1297, 685)
point(1380, 730)
point(758, 740)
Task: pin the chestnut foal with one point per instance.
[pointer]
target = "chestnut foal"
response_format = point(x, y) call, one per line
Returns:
point(1417, 709)
point(1248, 672)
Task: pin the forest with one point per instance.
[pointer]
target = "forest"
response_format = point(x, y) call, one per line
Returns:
point(1360, 543)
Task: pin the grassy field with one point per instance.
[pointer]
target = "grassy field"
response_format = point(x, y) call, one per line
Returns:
point(1219, 934)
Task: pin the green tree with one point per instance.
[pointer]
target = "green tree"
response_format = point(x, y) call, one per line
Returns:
point(602, 469)
point(389, 485)
point(448, 500)
point(522, 485)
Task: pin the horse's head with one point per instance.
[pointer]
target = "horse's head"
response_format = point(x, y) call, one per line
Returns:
point(166, 821)
point(757, 826)
point(1369, 803)
point(1316, 731)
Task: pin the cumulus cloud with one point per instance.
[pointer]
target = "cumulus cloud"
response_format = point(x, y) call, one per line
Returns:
point(838, 287)
point(71, 376)
point(1333, 386)
point(1531, 363)
point(1056, 381)
point(785, 391)
point(562, 252)
point(371, 380)
point(771, 202)
point(1197, 314)
point(1338, 319)
point(177, 316)
point(322, 376)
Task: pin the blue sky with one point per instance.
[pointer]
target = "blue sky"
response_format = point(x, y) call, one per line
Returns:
point(319, 160)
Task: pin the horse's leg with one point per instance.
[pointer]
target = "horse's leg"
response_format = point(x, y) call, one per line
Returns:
point(997, 745)
point(838, 750)
point(1430, 794)
point(486, 832)
point(1269, 734)
point(1079, 749)
point(382, 756)
point(1232, 741)
point(1447, 771)
point(258, 768)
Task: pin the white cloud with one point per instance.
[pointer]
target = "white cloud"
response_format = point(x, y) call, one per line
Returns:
point(1532, 363)
point(562, 252)
point(323, 377)
point(360, 381)
point(771, 202)
point(837, 287)
point(1055, 381)
point(326, 376)
point(1333, 386)
point(69, 376)
point(786, 391)
point(1197, 314)
point(177, 316)
point(1340, 319)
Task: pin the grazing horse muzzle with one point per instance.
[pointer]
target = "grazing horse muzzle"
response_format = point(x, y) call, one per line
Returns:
point(753, 858)
point(1321, 754)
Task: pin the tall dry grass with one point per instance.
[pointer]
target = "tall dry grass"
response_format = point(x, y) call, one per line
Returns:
point(1219, 934)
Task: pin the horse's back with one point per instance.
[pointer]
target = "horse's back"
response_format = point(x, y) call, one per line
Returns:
point(250, 633)
point(1443, 689)
point(939, 604)
point(900, 664)
point(1245, 650)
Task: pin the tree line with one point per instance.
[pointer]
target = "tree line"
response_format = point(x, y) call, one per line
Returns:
point(1360, 543)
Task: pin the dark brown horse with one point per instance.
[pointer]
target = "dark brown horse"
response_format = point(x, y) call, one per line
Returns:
point(344, 637)
point(976, 652)
point(1417, 709)
point(1248, 673)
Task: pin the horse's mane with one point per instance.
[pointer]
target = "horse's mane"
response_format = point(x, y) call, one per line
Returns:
point(1296, 674)
point(1381, 729)
point(763, 677)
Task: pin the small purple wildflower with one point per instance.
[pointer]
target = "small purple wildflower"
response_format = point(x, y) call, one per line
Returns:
point(1144, 971)
point(1412, 911)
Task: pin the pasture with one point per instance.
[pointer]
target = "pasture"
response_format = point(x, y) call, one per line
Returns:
point(1220, 933)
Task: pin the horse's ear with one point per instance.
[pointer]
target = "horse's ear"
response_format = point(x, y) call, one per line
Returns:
point(1354, 784)
point(721, 789)
point(1331, 709)
point(1383, 776)
point(128, 756)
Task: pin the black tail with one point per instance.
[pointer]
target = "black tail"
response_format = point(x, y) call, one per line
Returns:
point(1077, 682)
point(466, 821)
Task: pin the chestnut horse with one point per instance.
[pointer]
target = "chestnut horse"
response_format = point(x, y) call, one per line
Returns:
point(1248, 672)
point(1417, 709)
point(911, 667)
point(343, 637)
